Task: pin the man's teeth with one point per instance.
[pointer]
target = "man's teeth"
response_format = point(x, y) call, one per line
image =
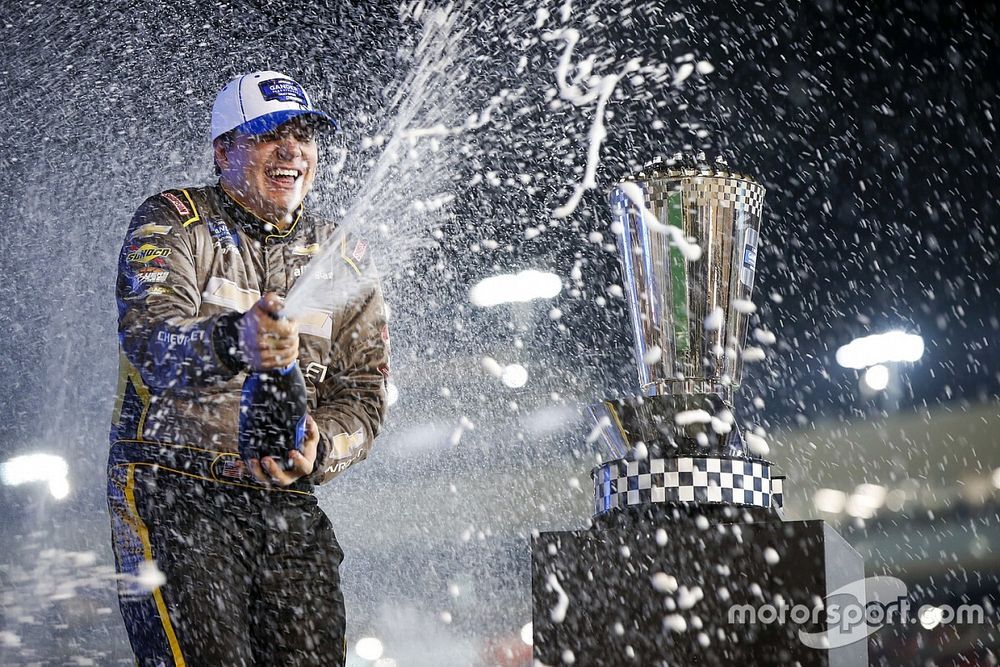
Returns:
point(278, 173)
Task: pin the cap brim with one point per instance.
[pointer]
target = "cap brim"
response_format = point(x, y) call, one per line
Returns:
point(272, 121)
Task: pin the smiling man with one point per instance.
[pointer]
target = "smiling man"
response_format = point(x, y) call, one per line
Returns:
point(225, 561)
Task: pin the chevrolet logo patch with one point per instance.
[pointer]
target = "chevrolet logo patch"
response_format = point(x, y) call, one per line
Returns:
point(310, 249)
point(149, 229)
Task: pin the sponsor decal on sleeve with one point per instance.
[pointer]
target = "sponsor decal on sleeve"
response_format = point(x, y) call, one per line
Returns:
point(146, 253)
point(315, 371)
point(344, 445)
point(182, 338)
point(181, 207)
point(149, 229)
point(151, 274)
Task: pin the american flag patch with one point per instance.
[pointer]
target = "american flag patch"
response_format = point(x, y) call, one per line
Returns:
point(359, 250)
point(233, 468)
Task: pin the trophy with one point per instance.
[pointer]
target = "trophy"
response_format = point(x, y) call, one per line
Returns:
point(685, 507)
point(689, 300)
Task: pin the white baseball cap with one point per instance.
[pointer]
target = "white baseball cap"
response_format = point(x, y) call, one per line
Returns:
point(259, 102)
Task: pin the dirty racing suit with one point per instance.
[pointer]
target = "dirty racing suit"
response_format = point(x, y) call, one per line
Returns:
point(251, 573)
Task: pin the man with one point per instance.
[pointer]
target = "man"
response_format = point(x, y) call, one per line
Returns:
point(226, 562)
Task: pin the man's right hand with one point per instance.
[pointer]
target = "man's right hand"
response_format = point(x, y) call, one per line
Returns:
point(267, 342)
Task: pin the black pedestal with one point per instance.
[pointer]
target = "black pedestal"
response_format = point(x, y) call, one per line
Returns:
point(687, 586)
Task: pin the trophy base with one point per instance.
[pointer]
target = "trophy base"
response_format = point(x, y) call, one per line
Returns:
point(669, 425)
point(688, 585)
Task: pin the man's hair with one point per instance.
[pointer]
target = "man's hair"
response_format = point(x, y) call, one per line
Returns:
point(225, 140)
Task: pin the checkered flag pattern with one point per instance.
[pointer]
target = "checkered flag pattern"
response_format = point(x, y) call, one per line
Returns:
point(778, 491)
point(742, 193)
point(718, 480)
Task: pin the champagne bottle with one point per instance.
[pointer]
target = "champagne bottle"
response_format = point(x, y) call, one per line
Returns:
point(273, 414)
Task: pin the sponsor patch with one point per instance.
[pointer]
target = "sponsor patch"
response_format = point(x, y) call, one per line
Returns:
point(223, 238)
point(146, 253)
point(343, 445)
point(306, 250)
point(159, 289)
point(315, 371)
point(151, 274)
point(283, 90)
point(174, 339)
point(384, 370)
point(178, 204)
point(749, 258)
point(359, 250)
point(149, 229)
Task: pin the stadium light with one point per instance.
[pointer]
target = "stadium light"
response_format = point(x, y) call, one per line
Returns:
point(880, 349)
point(876, 378)
point(515, 288)
point(37, 468)
point(369, 648)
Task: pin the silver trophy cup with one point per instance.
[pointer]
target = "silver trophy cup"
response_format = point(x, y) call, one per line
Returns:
point(689, 318)
point(687, 241)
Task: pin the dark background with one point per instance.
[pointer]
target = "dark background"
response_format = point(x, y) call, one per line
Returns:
point(872, 126)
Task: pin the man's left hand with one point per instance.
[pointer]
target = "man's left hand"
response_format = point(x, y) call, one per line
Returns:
point(269, 471)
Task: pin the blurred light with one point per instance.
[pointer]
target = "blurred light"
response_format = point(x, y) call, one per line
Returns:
point(858, 507)
point(880, 348)
point(368, 648)
point(37, 468)
point(514, 376)
point(59, 487)
point(896, 500)
point(876, 378)
point(868, 496)
point(930, 616)
point(515, 288)
point(830, 500)
point(526, 632)
point(391, 393)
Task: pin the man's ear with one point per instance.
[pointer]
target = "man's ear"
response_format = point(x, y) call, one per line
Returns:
point(220, 148)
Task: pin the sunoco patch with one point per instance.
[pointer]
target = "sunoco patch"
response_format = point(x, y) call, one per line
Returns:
point(146, 253)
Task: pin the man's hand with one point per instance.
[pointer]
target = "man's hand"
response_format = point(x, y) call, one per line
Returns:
point(269, 471)
point(267, 342)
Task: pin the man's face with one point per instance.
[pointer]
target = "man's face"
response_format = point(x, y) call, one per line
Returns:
point(271, 173)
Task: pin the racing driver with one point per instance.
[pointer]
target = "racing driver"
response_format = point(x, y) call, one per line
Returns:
point(223, 561)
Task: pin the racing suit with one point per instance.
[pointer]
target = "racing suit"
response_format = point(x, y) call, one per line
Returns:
point(251, 572)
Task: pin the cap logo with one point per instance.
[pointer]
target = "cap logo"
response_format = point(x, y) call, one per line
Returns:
point(283, 90)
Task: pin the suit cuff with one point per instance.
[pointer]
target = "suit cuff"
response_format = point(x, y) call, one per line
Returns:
point(322, 451)
point(226, 341)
